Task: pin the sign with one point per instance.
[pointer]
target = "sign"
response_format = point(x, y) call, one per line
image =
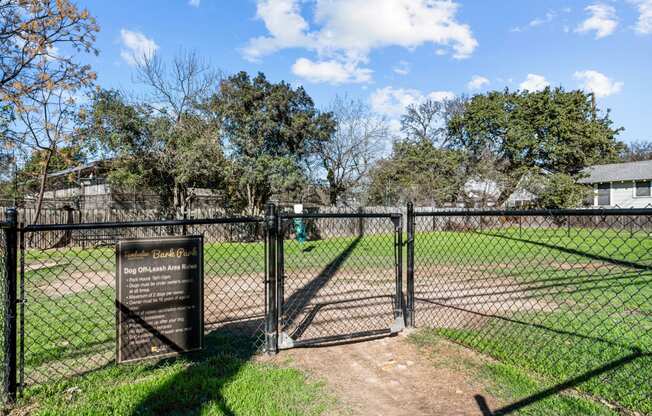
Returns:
point(159, 304)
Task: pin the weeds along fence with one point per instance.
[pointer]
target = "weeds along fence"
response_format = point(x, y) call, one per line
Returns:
point(566, 294)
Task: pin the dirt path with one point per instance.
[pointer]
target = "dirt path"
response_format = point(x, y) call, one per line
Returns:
point(390, 376)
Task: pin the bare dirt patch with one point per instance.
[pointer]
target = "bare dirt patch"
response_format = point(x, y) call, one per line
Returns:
point(390, 376)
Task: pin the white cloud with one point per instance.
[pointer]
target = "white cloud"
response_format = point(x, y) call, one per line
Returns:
point(194, 3)
point(477, 82)
point(549, 17)
point(644, 22)
point(392, 102)
point(137, 46)
point(602, 20)
point(403, 68)
point(534, 82)
point(332, 71)
point(348, 30)
point(540, 21)
point(598, 83)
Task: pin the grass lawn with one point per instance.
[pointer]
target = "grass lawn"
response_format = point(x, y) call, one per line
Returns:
point(595, 288)
point(222, 380)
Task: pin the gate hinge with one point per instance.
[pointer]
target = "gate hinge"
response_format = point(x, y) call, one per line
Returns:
point(285, 341)
point(398, 325)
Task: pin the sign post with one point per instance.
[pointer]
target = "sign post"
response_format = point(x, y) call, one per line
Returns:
point(159, 303)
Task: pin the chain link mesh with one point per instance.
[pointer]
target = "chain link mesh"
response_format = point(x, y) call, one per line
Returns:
point(341, 282)
point(568, 297)
point(3, 304)
point(69, 292)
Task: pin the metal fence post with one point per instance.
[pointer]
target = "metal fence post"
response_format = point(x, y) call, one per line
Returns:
point(399, 317)
point(10, 299)
point(409, 307)
point(271, 301)
point(280, 266)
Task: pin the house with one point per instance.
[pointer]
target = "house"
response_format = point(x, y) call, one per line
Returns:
point(623, 185)
point(86, 187)
point(485, 192)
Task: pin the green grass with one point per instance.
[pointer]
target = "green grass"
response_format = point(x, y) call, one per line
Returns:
point(512, 385)
point(220, 381)
point(599, 305)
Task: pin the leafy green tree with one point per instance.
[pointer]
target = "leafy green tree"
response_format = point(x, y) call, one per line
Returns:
point(557, 190)
point(417, 171)
point(529, 132)
point(267, 128)
point(151, 152)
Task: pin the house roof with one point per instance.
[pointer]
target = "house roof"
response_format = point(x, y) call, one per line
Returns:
point(618, 172)
point(76, 169)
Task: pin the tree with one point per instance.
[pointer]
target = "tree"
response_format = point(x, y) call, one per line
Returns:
point(267, 125)
point(417, 171)
point(47, 125)
point(552, 130)
point(151, 152)
point(182, 87)
point(33, 37)
point(357, 141)
point(428, 120)
point(167, 141)
point(637, 151)
point(40, 77)
point(557, 190)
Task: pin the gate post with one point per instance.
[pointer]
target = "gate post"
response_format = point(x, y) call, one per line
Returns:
point(399, 317)
point(409, 307)
point(10, 299)
point(271, 301)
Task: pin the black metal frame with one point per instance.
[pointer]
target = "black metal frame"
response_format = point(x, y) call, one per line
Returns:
point(284, 340)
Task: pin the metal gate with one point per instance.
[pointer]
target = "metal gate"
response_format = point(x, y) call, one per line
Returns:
point(344, 282)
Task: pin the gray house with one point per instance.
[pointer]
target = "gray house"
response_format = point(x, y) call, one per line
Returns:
point(624, 185)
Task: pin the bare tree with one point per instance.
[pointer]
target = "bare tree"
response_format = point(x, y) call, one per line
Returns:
point(428, 120)
point(48, 123)
point(178, 87)
point(357, 142)
point(637, 151)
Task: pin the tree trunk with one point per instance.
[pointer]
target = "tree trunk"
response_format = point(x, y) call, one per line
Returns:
point(332, 195)
point(41, 191)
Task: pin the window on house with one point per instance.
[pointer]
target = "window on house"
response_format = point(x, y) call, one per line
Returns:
point(604, 194)
point(643, 188)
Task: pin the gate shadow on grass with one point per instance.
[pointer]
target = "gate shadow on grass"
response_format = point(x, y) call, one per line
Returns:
point(199, 385)
point(557, 388)
point(575, 252)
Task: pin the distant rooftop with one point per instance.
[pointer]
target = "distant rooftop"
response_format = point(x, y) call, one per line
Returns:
point(618, 172)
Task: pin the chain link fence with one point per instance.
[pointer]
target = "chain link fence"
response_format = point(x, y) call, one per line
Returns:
point(3, 304)
point(566, 295)
point(67, 281)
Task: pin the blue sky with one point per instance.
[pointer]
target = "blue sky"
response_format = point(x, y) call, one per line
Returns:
point(395, 52)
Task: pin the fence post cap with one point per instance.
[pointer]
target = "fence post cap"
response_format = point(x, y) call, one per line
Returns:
point(12, 215)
